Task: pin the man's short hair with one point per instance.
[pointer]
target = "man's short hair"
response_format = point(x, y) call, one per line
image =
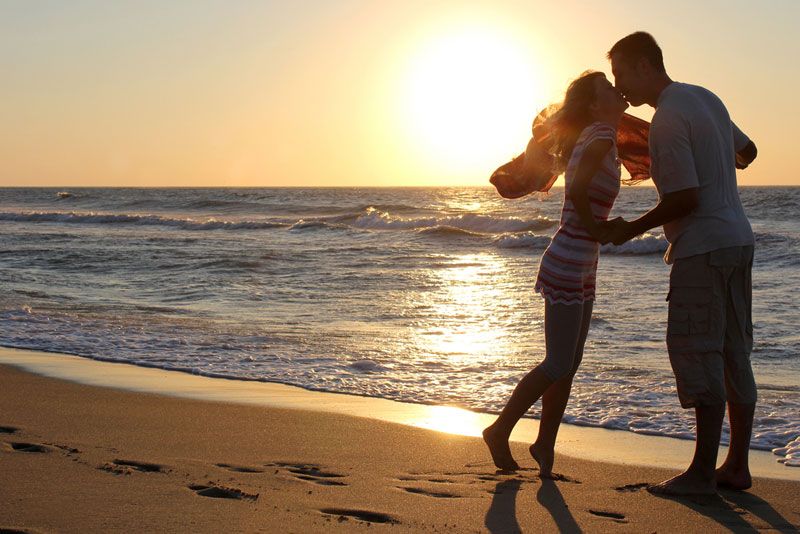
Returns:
point(636, 46)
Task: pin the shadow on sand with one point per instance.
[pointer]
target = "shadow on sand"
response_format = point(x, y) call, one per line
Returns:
point(731, 509)
point(550, 497)
point(502, 514)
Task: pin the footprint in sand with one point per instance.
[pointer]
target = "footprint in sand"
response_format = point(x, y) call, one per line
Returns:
point(520, 474)
point(240, 468)
point(66, 449)
point(423, 478)
point(221, 492)
point(126, 467)
point(466, 478)
point(558, 477)
point(632, 487)
point(494, 474)
point(311, 473)
point(480, 464)
point(361, 515)
point(429, 493)
point(28, 447)
point(614, 516)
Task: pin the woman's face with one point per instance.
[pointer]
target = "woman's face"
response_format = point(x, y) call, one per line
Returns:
point(608, 102)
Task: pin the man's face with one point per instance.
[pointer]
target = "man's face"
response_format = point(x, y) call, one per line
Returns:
point(628, 80)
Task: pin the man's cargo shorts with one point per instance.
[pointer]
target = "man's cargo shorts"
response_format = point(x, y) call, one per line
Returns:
point(710, 327)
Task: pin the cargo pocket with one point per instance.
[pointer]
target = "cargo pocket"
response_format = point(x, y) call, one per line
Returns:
point(689, 318)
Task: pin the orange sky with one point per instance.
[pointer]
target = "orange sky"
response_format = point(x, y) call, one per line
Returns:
point(211, 93)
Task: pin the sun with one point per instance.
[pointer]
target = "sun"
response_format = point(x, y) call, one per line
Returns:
point(470, 96)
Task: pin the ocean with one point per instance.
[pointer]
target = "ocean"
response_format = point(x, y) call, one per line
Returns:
point(415, 294)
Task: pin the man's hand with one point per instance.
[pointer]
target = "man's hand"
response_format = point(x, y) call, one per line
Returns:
point(618, 231)
point(746, 155)
point(606, 231)
point(623, 233)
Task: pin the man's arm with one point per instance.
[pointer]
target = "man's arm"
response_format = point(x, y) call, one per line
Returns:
point(746, 155)
point(672, 206)
point(674, 170)
point(745, 149)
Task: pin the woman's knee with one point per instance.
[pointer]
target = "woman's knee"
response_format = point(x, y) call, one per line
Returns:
point(555, 370)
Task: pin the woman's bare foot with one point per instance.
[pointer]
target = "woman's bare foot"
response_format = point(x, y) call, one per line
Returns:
point(545, 457)
point(499, 449)
point(687, 483)
point(730, 478)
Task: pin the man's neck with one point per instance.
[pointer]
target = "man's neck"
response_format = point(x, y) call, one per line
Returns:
point(658, 87)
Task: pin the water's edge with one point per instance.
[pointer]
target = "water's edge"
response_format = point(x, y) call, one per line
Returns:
point(588, 443)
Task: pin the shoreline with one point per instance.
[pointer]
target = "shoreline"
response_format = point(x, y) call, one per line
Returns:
point(579, 442)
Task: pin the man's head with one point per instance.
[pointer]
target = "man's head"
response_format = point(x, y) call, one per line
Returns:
point(638, 68)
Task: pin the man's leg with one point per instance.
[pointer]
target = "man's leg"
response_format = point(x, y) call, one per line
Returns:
point(734, 473)
point(699, 478)
point(695, 341)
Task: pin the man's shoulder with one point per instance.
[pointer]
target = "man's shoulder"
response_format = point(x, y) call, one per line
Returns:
point(683, 96)
point(684, 102)
point(677, 89)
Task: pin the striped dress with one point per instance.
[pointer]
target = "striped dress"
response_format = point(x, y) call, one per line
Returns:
point(569, 265)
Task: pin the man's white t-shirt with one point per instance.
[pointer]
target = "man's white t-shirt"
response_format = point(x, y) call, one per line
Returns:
point(693, 143)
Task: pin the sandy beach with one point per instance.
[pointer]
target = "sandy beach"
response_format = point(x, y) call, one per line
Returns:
point(77, 457)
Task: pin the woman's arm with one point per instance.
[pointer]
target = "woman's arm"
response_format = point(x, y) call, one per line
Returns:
point(591, 160)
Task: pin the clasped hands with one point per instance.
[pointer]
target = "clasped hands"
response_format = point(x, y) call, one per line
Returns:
point(616, 231)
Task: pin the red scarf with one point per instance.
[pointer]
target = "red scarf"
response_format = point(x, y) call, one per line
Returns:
point(533, 169)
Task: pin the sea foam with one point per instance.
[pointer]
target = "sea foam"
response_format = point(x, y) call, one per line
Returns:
point(472, 222)
point(135, 219)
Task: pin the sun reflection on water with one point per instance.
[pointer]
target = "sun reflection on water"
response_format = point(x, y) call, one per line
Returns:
point(450, 420)
point(466, 311)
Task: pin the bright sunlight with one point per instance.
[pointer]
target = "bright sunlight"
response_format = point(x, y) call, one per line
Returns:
point(470, 97)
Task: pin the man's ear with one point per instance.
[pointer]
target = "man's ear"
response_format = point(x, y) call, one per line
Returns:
point(643, 66)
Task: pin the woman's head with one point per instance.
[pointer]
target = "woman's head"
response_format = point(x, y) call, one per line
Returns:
point(588, 99)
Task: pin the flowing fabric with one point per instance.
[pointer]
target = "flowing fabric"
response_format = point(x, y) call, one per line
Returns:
point(532, 170)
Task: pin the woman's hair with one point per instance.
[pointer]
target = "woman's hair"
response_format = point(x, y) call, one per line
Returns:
point(566, 122)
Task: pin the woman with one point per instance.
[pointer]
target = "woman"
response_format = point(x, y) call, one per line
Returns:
point(583, 130)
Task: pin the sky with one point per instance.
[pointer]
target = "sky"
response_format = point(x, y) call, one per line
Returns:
point(196, 93)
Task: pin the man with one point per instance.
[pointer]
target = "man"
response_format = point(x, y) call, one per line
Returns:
point(695, 150)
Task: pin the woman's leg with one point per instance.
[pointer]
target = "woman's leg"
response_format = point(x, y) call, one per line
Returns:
point(562, 330)
point(554, 402)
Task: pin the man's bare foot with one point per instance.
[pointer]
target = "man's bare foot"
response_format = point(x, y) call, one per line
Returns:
point(545, 458)
point(732, 479)
point(687, 483)
point(499, 449)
